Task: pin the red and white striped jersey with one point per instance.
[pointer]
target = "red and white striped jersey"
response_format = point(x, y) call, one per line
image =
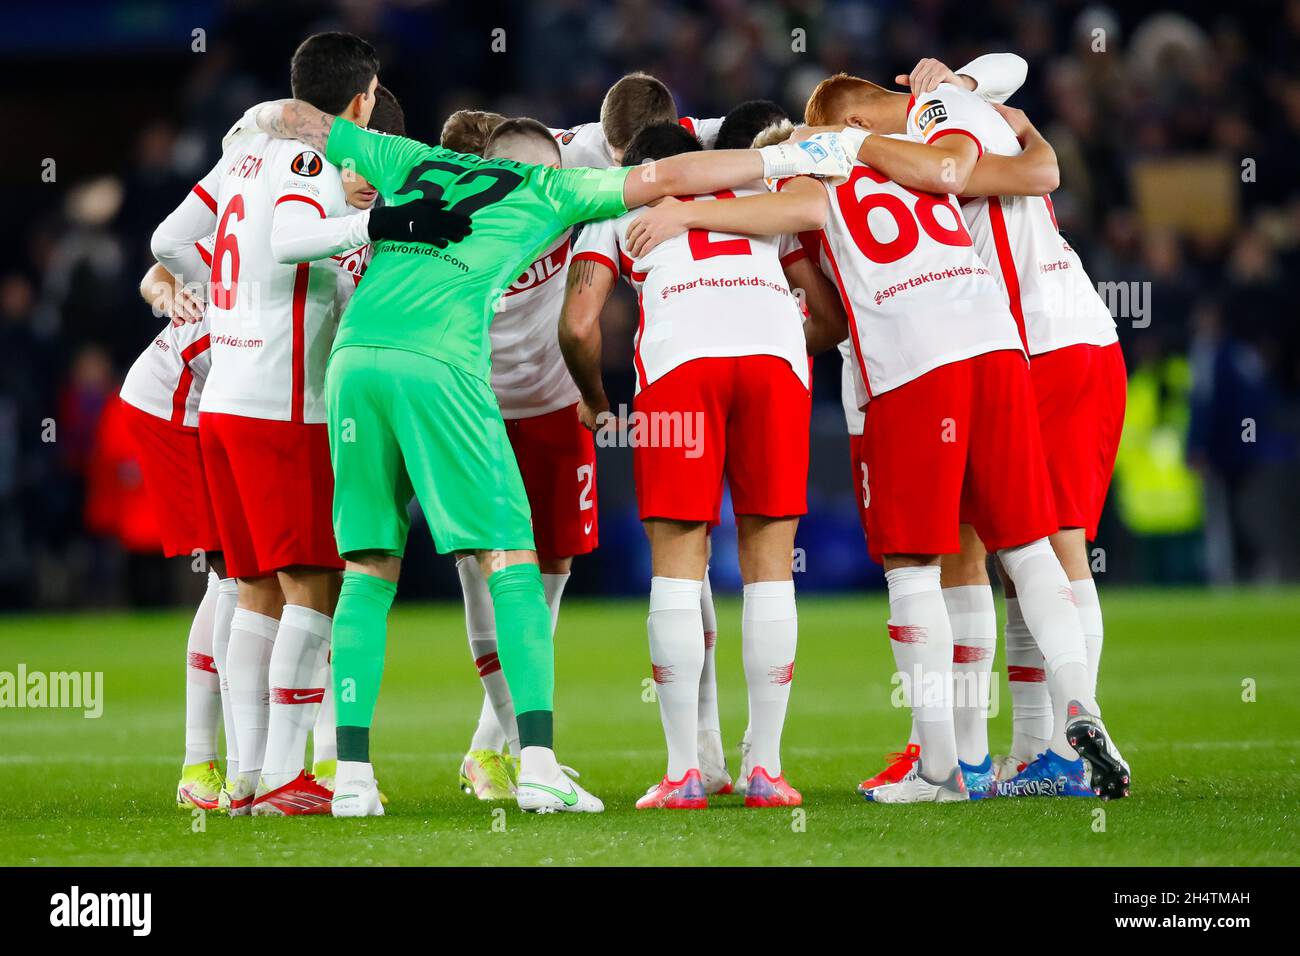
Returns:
point(705, 294)
point(1054, 302)
point(167, 379)
point(529, 376)
point(585, 145)
point(916, 294)
point(272, 324)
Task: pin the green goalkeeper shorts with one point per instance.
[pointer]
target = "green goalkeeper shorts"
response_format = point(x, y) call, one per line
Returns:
point(402, 423)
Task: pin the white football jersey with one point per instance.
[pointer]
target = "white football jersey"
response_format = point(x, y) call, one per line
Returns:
point(854, 418)
point(585, 144)
point(167, 378)
point(272, 324)
point(529, 376)
point(1054, 302)
point(704, 294)
point(916, 294)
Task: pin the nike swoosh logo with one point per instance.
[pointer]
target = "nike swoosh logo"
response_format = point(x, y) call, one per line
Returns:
point(306, 696)
point(568, 799)
point(586, 528)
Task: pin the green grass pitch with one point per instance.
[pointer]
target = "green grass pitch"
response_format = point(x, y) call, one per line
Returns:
point(1215, 777)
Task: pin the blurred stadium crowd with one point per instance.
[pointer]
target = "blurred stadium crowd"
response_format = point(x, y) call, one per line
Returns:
point(1178, 135)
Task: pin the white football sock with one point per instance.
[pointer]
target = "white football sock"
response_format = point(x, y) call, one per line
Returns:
point(974, 636)
point(252, 638)
point(1089, 607)
point(1047, 603)
point(481, 626)
point(302, 647)
point(324, 735)
point(553, 588)
point(202, 685)
point(707, 713)
point(676, 630)
point(921, 638)
point(227, 599)
point(769, 635)
point(350, 770)
point(538, 763)
point(1031, 705)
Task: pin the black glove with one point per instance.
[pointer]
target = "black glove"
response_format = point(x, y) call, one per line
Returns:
point(422, 220)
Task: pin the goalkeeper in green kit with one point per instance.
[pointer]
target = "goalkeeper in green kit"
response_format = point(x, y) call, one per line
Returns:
point(411, 410)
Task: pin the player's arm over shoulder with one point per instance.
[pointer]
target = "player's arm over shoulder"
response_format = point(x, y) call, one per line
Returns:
point(584, 194)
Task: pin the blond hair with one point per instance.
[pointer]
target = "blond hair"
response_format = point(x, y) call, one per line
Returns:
point(467, 131)
point(777, 132)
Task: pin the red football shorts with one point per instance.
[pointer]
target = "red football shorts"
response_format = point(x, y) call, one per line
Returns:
point(858, 479)
point(745, 418)
point(171, 464)
point(1081, 390)
point(959, 445)
point(557, 459)
point(272, 492)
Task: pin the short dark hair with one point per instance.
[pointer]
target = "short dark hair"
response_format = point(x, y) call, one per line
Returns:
point(636, 100)
point(519, 126)
point(659, 142)
point(329, 69)
point(746, 121)
point(388, 116)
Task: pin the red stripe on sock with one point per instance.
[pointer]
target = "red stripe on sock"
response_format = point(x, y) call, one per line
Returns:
point(969, 654)
point(297, 695)
point(907, 633)
point(1032, 675)
point(487, 664)
point(663, 673)
point(710, 638)
point(202, 662)
point(783, 674)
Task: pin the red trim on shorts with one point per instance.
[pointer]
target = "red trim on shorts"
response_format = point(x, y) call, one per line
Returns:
point(1007, 263)
point(960, 132)
point(205, 196)
point(294, 197)
point(848, 310)
point(181, 394)
point(603, 259)
point(301, 278)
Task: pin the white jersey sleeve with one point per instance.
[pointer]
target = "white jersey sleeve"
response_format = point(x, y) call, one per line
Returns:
point(583, 145)
point(167, 379)
point(703, 295)
point(272, 323)
point(705, 130)
point(1053, 301)
point(997, 75)
point(174, 240)
point(916, 295)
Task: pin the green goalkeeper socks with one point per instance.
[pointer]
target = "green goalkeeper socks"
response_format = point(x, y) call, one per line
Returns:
point(525, 648)
point(357, 656)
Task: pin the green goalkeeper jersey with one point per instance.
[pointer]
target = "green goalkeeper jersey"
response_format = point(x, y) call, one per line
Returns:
point(439, 302)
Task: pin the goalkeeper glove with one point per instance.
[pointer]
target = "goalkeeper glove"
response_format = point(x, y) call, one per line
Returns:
point(424, 220)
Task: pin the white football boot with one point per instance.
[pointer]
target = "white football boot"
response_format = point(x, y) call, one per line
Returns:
point(355, 792)
point(746, 769)
point(713, 763)
point(916, 789)
point(555, 793)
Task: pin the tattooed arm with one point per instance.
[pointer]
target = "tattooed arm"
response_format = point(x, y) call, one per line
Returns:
point(294, 119)
point(591, 280)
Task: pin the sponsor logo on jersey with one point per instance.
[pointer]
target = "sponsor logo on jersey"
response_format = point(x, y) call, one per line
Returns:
point(931, 114)
point(543, 269)
point(306, 163)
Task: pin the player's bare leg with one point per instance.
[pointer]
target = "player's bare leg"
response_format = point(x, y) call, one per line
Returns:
point(770, 632)
point(297, 677)
point(921, 638)
point(679, 555)
point(968, 597)
point(253, 630)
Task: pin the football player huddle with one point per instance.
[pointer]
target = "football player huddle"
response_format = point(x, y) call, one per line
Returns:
point(358, 318)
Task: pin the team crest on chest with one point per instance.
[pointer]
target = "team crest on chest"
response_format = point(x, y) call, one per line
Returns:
point(306, 163)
